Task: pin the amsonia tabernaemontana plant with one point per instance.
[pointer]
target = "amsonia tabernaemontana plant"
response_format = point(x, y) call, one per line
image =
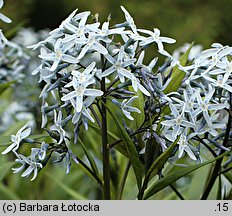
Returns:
point(156, 115)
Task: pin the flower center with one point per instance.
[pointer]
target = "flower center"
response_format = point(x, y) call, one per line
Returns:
point(204, 106)
point(80, 91)
point(58, 54)
point(118, 65)
point(82, 78)
point(178, 120)
point(80, 31)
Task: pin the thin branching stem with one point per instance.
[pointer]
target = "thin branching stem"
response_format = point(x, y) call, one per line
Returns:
point(177, 192)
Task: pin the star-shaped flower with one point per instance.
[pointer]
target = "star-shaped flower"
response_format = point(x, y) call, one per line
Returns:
point(155, 38)
point(17, 139)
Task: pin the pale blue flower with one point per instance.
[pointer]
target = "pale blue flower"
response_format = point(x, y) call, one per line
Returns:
point(220, 82)
point(31, 163)
point(34, 165)
point(3, 17)
point(204, 105)
point(42, 151)
point(155, 38)
point(126, 108)
point(58, 55)
point(78, 32)
point(58, 126)
point(80, 90)
point(177, 121)
point(130, 20)
point(17, 139)
point(85, 112)
point(86, 77)
point(184, 147)
point(105, 31)
point(118, 65)
point(213, 129)
point(91, 43)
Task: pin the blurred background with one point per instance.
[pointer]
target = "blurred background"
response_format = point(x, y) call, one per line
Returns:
point(204, 22)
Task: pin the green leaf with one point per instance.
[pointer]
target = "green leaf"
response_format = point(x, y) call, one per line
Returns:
point(89, 156)
point(177, 74)
point(167, 180)
point(5, 86)
point(160, 161)
point(228, 175)
point(156, 166)
point(119, 147)
point(67, 189)
point(138, 103)
point(131, 150)
point(139, 117)
point(5, 141)
point(152, 151)
point(38, 136)
point(98, 130)
point(8, 192)
point(4, 169)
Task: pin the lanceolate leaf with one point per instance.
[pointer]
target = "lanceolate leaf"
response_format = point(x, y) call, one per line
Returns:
point(74, 194)
point(160, 161)
point(90, 158)
point(167, 180)
point(228, 175)
point(139, 103)
point(156, 167)
point(177, 74)
point(131, 150)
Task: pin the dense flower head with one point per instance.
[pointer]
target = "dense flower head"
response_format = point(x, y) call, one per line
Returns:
point(85, 65)
point(78, 55)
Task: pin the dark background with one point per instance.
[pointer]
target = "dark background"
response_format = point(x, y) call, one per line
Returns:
point(204, 22)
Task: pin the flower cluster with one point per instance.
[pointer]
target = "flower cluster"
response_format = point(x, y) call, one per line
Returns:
point(77, 56)
point(33, 162)
point(199, 109)
point(12, 57)
point(87, 64)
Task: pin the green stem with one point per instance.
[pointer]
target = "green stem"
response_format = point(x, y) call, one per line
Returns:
point(177, 192)
point(90, 171)
point(122, 185)
point(111, 145)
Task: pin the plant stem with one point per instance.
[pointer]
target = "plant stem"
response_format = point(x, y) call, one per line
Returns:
point(122, 185)
point(89, 170)
point(105, 149)
point(177, 192)
point(111, 145)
